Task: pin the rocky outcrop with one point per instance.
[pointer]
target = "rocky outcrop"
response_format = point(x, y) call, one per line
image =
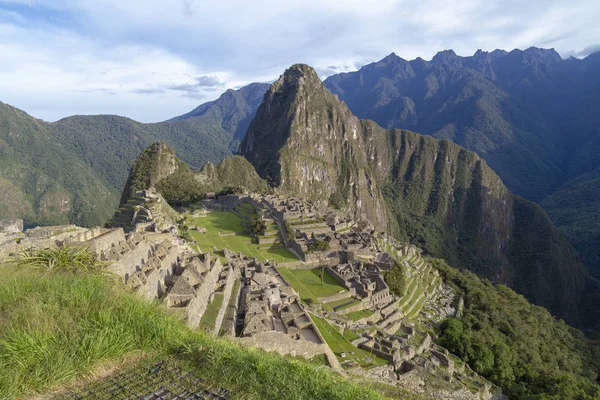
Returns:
point(154, 164)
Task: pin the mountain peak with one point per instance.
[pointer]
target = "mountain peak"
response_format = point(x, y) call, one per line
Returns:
point(445, 57)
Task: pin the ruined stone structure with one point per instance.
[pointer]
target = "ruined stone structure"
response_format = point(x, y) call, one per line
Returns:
point(366, 281)
point(395, 348)
point(269, 304)
point(11, 225)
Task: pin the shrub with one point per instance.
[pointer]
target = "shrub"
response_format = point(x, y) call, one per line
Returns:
point(319, 245)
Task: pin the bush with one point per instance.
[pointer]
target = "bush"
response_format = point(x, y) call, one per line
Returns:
point(62, 258)
point(517, 345)
point(396, 279)
point(319, 245)
point(257, 226)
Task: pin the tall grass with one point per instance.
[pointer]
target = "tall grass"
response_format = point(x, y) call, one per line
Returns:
point(56, 327)
point(62, 258)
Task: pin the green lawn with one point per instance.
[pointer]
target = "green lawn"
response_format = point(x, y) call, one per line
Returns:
point(339, 343)
point(308, 282)
point(216, 222)
point(209, 318)
point(356, 315)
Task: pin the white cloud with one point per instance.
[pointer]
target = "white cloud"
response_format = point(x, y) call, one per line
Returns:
point(154, 59)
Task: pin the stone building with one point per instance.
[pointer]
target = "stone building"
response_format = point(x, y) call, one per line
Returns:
point(366, 281)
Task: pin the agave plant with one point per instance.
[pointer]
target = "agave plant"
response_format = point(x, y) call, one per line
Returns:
point(59, 259)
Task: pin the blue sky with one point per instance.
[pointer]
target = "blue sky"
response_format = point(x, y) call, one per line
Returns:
point(154, 59)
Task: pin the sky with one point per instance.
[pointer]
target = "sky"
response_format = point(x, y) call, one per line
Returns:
point(151, 60)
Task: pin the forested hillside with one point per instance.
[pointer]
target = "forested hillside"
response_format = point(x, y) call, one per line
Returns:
point(74, 170)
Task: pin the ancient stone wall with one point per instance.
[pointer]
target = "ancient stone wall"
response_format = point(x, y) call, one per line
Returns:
point(132, 261)
point(226, 297)
point(106, 240)
point(357, 307)
point(284, 344)
point(155, 286)
point(11, 225)
point(338, 296)
point(198, 305)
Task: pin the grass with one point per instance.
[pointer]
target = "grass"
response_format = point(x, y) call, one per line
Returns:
point(308, 282)
point(62, 258)
point(209, 318)
point(216, 222)
point(58, 327)
point(339, 343)
point(358, 315)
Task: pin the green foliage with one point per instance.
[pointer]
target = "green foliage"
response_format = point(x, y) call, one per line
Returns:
point(396, 279)
point(576, 211)
point(319, 245)
point(181, 188)
point(233, 175)
point(517, 345)
point(43, 182)
point(61, 259)
point(184, 231)
point(256, 225)
point(290, 232)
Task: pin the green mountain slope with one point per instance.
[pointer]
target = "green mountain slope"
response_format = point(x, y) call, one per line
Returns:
point(160, 168)
point(41, 181)
point(576, 212)
point(75, 169)
point(307, 143)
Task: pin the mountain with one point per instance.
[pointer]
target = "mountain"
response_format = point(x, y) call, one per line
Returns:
point(41, 181)
point(534, 117)
point(74, 170)
point(158, 167)
point(305, 142)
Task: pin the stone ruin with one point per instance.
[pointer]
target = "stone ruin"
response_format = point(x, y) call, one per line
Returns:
point(365, 281)
point(11, 225)
point(395, 348)
point(269, 303)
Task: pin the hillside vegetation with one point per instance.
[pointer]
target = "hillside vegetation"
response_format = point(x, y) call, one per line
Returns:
point(74, 170)
point(517, 345)
point(59, 326)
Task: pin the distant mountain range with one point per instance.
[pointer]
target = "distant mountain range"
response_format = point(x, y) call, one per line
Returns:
point(534, 117)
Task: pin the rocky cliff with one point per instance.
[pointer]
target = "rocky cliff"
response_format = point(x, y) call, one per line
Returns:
point(306, 143)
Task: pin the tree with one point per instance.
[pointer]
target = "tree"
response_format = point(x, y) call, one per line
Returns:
point(257, 225)
point(396, 279)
